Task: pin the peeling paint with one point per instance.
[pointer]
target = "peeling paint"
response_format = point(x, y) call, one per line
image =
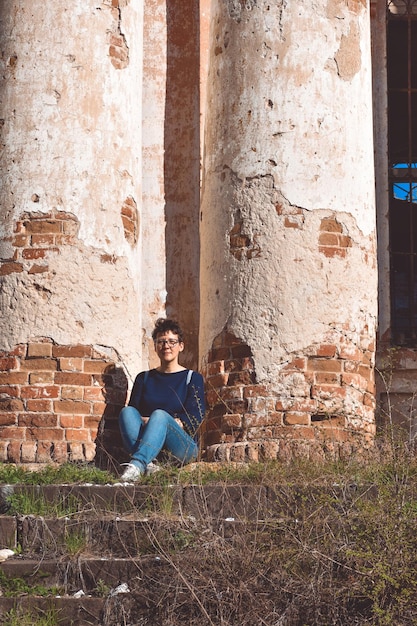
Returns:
point(348, 57)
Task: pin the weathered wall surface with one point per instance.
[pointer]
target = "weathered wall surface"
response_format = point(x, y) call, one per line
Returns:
point(288, 273)
point(71, 188)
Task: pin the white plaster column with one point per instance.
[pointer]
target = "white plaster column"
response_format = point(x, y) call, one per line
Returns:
point(288, 265)
point(70, 101)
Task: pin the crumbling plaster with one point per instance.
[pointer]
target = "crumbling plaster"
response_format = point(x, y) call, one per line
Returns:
point(309, 133)
point(308, 148)
point(70, 141)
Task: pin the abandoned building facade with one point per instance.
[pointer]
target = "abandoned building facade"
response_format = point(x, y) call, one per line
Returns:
point(245, 166)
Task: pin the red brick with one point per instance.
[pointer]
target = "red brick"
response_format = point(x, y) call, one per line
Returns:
point(43, 226)
point(38, 269)
point(39, 405)
point(330, 225)
point(255, 391)
point(40, 365)
point(76, 434)
point(8, 363)
point(13, 451)
point(92, 421)
point(329, 378)
point(39, 350)
point(299, 363)
point(8, 419)
point(12, 432)
point(72, 351)
point(76, 451)
point(72, 406)
point(326, 350)
point(99, 408)
point(44, 451)
point(44, 391)
point(60, 452)
point(41, 378)
point(306, 433)
point(328, 391)
point(297, 418)
point(44, 434)
point(45, 240)
point(71, 364)
point(28, 452)
point(241, 378)
point(220, 380)
point(217, 367)
point(324, 365)
point(11, 405)
point(328, 239)
point(20, 240)
point(38, 420)
point(344, 241)
point(332, 252)
point(72, 393)
point(9, 391)
point(89, 451)
point(34, 253)
point(71, 421)
point(7, 268)
point(95, 367)
point(68, 378)
point(354, 380)
point(351, 353)
point(93, 393)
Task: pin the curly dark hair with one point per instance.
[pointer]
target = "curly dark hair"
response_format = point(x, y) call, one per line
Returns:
point(163, 325)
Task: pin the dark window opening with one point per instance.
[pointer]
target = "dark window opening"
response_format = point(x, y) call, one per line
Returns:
point(402, 159)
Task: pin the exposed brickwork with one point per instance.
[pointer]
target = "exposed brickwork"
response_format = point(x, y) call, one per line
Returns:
point(321, 403)
point(243, 246)
point(118, 48)
point(36, 235)
point(130, 219)
point(57, 402)
point(333, 242)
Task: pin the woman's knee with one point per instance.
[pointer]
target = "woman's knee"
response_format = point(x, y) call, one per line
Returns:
point(129, 414)
point(159, 416)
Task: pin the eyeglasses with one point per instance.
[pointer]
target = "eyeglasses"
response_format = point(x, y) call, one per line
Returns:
point(170, 342)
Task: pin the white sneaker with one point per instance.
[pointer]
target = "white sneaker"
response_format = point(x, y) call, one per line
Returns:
point(131, 474)
point(152, 468)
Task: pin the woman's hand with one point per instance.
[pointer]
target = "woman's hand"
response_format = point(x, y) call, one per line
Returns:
point(179, 422)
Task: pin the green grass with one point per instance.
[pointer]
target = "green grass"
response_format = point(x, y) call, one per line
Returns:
point(68, 473)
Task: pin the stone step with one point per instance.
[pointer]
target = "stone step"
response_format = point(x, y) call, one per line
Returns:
point(248, 502)
point(91, 575)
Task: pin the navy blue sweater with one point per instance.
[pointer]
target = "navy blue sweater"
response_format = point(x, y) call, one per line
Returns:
point(171, 393)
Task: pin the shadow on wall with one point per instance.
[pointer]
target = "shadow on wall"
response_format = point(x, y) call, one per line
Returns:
point(109, 447)
point(182, 170)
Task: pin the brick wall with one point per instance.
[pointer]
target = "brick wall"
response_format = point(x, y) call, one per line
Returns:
point(59, 403)
point(320, 404)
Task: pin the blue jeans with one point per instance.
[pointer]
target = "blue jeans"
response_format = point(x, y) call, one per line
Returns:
point(145, 441)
